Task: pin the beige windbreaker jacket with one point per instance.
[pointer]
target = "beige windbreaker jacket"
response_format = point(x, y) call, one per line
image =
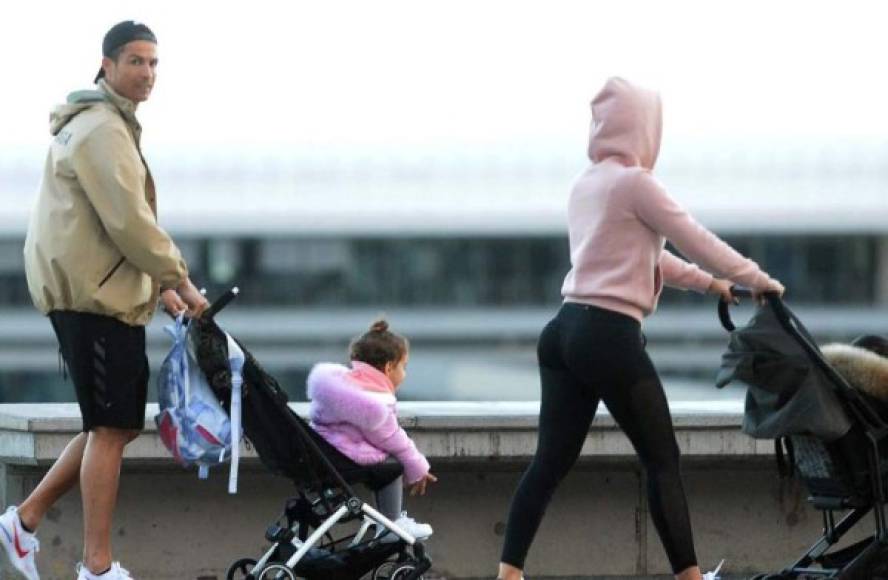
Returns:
point(93, 243)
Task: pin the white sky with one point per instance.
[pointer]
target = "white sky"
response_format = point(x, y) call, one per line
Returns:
point(399, 74)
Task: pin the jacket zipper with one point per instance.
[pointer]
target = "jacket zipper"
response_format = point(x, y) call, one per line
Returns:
point(111, 273)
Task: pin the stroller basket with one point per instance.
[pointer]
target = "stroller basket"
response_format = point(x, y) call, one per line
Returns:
point(836, 471)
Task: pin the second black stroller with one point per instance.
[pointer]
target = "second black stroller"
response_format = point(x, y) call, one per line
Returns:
point(304, 540)
point(836, 437)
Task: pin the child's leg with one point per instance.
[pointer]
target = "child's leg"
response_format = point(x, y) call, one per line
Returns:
point(390, 498)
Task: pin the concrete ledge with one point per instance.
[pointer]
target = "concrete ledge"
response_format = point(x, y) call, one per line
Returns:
point(171, 526)
point(35, 434)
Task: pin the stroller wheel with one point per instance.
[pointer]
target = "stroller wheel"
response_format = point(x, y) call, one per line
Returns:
point(386, 570)
point(241, 570)
point(277, 572)
point(403, 571)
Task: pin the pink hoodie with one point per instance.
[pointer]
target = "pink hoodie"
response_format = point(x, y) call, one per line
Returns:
point(619, 217)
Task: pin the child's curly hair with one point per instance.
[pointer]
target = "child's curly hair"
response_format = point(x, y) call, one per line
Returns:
point(378, 346)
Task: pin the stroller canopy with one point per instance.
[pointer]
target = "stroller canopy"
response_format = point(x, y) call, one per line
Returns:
point(788, 390)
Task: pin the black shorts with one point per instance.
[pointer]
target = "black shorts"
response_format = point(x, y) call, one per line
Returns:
point(108, 365)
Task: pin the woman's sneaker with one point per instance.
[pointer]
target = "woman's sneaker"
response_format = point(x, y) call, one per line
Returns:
point(714, 574)
point(417, 530)
point(20, 545)
point(114, 573)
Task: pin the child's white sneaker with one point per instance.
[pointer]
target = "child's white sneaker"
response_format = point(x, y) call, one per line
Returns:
point(714, 574)
point(114, 573)
point(20, 545)
point(416, 529)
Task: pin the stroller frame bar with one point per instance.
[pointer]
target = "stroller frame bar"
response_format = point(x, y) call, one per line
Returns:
point(317, 535)
point(831, 535)
point(378, 517)
point(340, 513)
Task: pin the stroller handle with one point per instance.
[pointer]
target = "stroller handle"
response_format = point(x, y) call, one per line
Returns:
point(217, 305)
point(724, 315)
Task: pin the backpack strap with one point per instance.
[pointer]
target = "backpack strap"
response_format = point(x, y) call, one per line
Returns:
point(236, 362)
point(785, 455)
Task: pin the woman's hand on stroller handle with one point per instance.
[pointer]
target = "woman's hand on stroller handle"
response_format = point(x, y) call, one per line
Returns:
point(731, 293)
point(419, 487)
point(724, 290)
point(773, 293)
point(775, 288)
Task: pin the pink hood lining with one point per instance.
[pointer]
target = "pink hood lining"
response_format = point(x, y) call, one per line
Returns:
point(370, 378)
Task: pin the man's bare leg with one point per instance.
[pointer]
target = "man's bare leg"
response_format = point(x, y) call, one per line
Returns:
point(61, 477)
point(99, 481)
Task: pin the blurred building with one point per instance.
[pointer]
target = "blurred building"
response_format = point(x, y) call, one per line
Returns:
point(464, 251)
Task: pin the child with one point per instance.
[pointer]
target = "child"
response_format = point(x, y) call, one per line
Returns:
point(354, 409)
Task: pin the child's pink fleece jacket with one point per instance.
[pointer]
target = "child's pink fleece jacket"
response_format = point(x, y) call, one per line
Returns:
point(619, 217)
point(354, 409)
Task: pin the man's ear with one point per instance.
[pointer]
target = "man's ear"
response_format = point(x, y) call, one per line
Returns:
point(107, 63)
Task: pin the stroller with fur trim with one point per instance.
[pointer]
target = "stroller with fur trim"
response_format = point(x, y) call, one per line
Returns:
point(304, 541)
point(834, 435)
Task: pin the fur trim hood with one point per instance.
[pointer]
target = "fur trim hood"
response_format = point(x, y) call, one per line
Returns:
point(335, 398)
point(864, 369)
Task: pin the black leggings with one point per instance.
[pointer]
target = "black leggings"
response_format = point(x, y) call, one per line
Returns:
point(588, 354)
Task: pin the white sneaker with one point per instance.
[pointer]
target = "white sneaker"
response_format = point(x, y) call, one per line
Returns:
point(115, 573)
point(417, 530)
point(714, 574)
point(20, 545)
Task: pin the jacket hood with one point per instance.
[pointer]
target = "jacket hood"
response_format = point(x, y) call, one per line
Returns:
point(79, 101)
point(361, 377)
point(370, 378)
point(334, 398)
point(865, 370)
point(627, 123)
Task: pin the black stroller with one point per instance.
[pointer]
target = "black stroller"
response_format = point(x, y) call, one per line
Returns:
point(304, 543)
point(834, 435)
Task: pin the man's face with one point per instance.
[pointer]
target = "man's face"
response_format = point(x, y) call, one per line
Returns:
point(132, 75)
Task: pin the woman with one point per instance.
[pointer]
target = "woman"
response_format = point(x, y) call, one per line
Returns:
point(619, 218)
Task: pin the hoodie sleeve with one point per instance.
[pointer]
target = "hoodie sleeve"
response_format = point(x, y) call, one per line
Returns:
point(680, 274)
point(660, 212)
point(108, 169)
point(391, 438)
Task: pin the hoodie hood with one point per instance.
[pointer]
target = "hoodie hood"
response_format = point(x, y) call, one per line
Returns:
point(79, 101)
point(627, 123)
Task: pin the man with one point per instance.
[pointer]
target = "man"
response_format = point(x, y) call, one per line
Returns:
point(96, 263)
